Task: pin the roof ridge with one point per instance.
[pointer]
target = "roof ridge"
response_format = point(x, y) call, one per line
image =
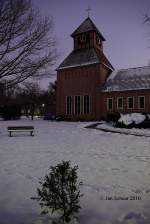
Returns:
point(105, 60)
point(122, 69)
point(79, 58)
point(121, 79)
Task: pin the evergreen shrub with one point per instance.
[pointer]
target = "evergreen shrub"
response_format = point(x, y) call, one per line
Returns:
point(59, 192)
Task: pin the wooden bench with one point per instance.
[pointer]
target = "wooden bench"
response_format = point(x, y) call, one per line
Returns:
point(21, 129)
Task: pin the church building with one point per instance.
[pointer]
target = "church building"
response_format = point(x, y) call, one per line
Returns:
point(88, 87)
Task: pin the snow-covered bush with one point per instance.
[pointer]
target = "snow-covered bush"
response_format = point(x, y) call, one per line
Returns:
point(136, 120)
point(130, 118)
point(59, 193)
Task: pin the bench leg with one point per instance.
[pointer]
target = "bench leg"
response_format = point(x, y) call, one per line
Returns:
point(31, 133)
point(10, 134)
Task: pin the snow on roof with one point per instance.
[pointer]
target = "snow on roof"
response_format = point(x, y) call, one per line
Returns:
point(85, 57)
point(78, 58)
point(128, 79)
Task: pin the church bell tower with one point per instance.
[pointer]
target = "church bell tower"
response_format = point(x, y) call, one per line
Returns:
point(81, 75)
point(87, 36)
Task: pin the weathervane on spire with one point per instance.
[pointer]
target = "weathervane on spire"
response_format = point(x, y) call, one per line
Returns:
point(88, 11)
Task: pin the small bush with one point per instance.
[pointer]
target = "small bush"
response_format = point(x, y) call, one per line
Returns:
point(59, 118)
point(82, 119)
point(144, 124)
point(113, 116)
point(60, 192)
point(68, 119)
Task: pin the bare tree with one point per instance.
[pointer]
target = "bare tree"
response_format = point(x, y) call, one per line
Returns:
point(27, 46)
point(31, 97)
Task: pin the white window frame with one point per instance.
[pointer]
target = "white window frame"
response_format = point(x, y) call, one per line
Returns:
point(139, 102)
point(128, 102)
point(110, 98)
point(119, 108)
point(89, 104)
point(80, 105)
point(70, 107)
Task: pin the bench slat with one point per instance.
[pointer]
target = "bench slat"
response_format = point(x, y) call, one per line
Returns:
point(21, 129)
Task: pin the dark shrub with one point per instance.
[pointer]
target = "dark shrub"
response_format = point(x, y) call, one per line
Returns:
point(120, 125)
point(146, 115)
point(113, 116)
point(1, 110)
point(60, 192)
point(59, 118)
point(102, 118)
point(145, 124)
point(49, 117)
point(81, 119)
point(11, 112)
point(68, 119)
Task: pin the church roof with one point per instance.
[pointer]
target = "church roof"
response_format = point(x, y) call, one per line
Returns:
point(84, 57)
point(86, 26)
point(128, 79)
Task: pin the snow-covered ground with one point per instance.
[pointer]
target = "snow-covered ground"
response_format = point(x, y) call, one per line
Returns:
point(133, 131)
point(110, 165)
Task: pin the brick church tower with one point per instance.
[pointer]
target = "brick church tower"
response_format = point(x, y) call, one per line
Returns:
point(82, 74)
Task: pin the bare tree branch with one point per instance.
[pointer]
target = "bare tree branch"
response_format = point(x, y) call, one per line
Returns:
point(27, 46)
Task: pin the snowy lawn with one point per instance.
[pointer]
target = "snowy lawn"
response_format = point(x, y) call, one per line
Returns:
point(110, 165)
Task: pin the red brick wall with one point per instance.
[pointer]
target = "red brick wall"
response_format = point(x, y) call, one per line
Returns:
point(85, 80)
point(125, 95)
point(101, 78)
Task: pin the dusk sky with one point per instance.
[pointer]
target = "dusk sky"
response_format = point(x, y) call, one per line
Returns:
point(120, 22)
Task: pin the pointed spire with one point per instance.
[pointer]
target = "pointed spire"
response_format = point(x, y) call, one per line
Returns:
point(88, 11)
point(86, 26)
